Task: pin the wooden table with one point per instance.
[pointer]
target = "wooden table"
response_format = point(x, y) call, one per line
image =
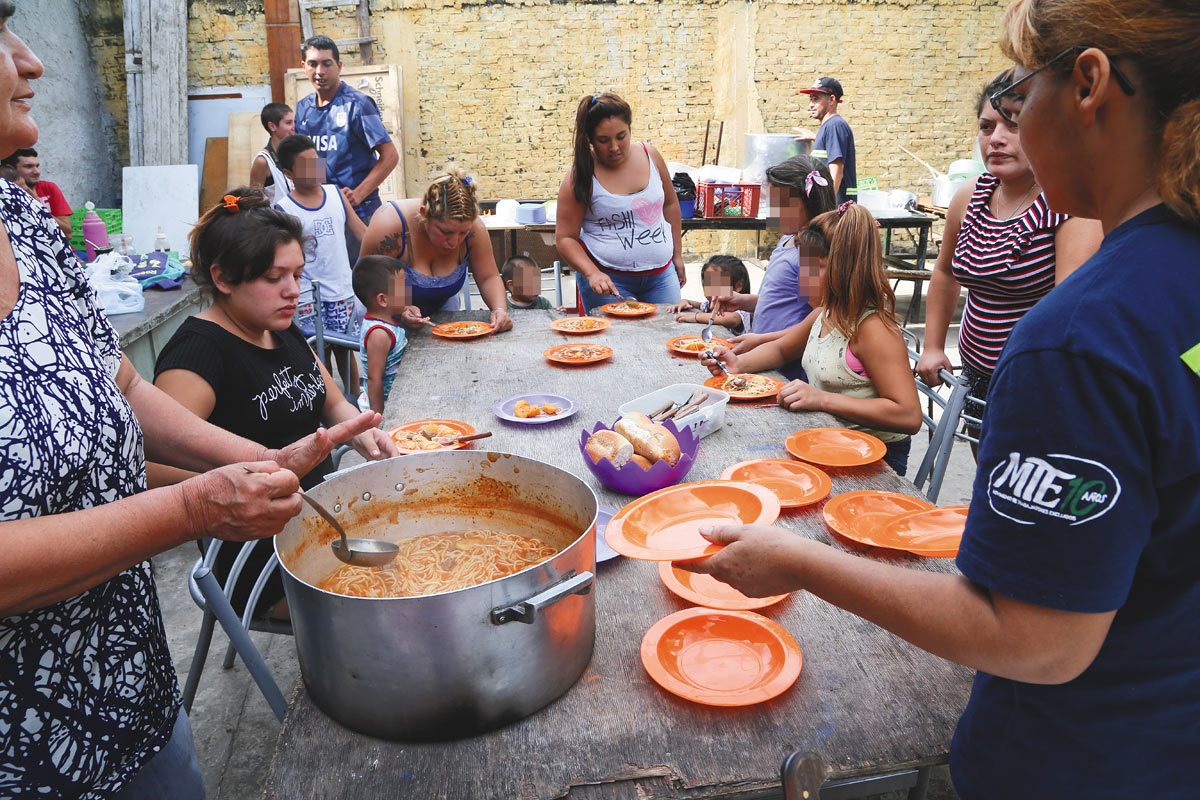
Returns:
point(869, 703)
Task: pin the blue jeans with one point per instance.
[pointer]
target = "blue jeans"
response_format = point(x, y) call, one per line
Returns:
point(896, 456)
point(173, 772)
point(660, 289)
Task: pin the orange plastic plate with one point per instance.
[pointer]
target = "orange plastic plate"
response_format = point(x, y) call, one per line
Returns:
point(796, 483)
point(640, 310)
point(835, 447)
point(453, 330)
point(555, 354)
point(686, 345)
point(590, 325)
point(718, 382)
point(936, 533)
point(721, 658)
point(665, 525)
point(860, 515)
point(463, 428)
point(707, 591)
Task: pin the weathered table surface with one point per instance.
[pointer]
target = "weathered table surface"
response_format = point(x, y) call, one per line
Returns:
point(866, 701)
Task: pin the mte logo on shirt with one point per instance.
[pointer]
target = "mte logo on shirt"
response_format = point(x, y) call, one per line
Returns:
point(1069, 488)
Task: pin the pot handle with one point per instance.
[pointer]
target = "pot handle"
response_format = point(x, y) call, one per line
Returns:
point(527, 610)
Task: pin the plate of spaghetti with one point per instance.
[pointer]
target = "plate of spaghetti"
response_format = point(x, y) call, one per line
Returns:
point(433, 563)
point(693, 345)
point(580, 325)
point(465, 329)
point(634, 309)
point(418, 436)
point(575, 354)
point(745, 386)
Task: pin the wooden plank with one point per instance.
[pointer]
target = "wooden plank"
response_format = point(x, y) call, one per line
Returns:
point(283, 42)
point(364, 30)
point(246, 137)
point(163, 109)
point(214, 180)
point(382, 83)
point(867, 702)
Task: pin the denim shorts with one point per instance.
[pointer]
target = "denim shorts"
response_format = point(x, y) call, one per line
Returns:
point(896, 456)
point(660, 289)
point(337, 316)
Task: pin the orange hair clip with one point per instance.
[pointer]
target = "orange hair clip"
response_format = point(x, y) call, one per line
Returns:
point(231, 202)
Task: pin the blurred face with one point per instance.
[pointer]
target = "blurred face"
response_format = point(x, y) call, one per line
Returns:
point(308, 170)
point(18, 67)
point(30, 170)
point(1000, 144)
point(526, 283)
point(446, 235)
point(323, 72)
point(286, 126)
point(717, 283)
point(610, 142)
point(812, 273)
point(821, 105)
point(787, 208)
point(268, 302)
point(398, 296)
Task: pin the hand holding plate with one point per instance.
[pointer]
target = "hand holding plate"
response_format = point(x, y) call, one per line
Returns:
point(757, 560)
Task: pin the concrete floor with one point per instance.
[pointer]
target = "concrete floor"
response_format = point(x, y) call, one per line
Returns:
point(234, 728)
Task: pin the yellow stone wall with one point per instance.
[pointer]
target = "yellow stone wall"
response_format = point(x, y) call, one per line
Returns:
point(494, 85)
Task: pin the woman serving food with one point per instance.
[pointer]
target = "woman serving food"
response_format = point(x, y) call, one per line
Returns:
point(618, 222)
point(438, 239)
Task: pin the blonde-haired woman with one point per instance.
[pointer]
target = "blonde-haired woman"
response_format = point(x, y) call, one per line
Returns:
point(1079, 599)
point(438, 238)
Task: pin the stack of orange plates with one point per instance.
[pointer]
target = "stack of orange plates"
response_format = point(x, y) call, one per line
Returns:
point(794, 482)
point(721, 658)
point(896, 522)
point(707, 591)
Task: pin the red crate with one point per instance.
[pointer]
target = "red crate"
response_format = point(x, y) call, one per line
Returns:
point(715, 200)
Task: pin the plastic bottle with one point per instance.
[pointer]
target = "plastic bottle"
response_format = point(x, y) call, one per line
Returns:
point(160, 242)
point(95, 232)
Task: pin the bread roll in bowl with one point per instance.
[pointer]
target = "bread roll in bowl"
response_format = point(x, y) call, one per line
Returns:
point(611, 445)
point(640, 461)
point(650, 440)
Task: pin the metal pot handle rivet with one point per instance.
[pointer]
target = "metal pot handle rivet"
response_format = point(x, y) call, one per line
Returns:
point(527, 610)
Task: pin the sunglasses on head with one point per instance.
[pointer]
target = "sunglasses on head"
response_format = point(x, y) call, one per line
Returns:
point(1007, 101)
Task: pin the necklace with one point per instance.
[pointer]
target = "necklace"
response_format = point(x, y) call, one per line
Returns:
point(1017, 207)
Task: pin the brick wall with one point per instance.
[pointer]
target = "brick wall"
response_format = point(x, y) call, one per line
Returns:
point(493, 84)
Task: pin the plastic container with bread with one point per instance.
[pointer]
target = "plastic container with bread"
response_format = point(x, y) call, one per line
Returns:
point(650, 440)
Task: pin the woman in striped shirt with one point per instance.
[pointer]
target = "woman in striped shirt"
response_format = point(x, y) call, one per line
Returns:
point(1006, 245)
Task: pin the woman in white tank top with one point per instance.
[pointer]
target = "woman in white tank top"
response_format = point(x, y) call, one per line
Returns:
point(618, 222)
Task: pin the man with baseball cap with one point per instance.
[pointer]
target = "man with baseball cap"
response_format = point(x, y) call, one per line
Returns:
point(833, 141)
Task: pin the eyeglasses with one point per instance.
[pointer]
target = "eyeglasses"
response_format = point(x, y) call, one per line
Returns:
point(1007, 101)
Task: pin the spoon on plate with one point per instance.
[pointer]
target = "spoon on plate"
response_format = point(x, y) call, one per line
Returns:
point(444, 440)
point(359, 552)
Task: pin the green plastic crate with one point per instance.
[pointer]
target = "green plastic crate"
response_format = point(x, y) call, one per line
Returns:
point(112, 220)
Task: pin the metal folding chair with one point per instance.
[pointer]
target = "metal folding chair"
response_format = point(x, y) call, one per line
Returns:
point(321, 338)
point(942, 430)
point(213, 601)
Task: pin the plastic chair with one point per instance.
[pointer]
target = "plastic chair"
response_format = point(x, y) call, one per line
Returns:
point(942, 430)
point(213, 601)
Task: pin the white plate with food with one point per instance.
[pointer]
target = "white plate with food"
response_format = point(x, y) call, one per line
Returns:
point(536, 409)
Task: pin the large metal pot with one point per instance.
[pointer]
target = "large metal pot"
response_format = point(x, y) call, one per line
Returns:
point(447, 665)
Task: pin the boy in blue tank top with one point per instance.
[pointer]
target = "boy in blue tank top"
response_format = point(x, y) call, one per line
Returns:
point(379, 285)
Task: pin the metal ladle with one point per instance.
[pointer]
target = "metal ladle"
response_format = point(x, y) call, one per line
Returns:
point(359, 552)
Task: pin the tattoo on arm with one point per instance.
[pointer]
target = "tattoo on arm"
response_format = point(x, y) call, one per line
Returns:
point(388, 246)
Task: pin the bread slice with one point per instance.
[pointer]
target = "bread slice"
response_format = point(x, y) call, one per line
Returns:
point(611, 445)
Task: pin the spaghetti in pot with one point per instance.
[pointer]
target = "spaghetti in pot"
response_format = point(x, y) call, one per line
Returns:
point(441, 562)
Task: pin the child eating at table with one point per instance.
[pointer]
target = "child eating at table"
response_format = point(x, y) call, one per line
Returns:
point(325, 214)
point(379, 285)
point(523, 281)
point(849, 345)
point(721, 276)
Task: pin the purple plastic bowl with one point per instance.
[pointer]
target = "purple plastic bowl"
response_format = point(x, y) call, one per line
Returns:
point(632, 479)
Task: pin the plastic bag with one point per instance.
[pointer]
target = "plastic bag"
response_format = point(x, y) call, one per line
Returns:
point(117, 292)
point(685, 189)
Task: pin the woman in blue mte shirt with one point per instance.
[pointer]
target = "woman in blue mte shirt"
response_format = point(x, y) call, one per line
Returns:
point(1079, 599)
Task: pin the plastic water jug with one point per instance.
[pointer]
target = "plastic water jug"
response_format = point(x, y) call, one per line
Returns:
point(160, 242)
point(95, 233)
